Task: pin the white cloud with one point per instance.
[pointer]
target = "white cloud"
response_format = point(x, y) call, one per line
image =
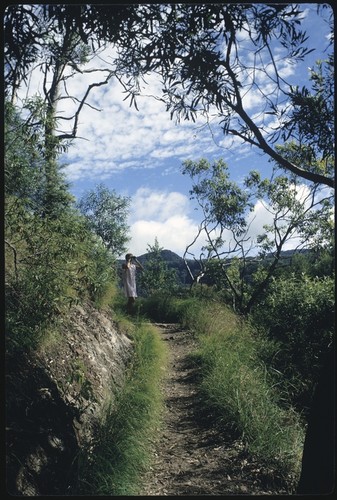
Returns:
point(162, 215)
point(118, 134)
point(174, 234)
point(162, 205)
point(258, 218)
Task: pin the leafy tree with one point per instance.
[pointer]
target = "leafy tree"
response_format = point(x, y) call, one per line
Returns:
point(313, 117)
point(58, 52)
point(305, 217)
point(106, 215)
point(157, 277)
point(25, 164)
point(200, 51)
point(21, 46)
point(24, 47)
point(301, 214)
point(22, 159)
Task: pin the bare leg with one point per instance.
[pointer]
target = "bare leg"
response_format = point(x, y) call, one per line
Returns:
point(129, 307)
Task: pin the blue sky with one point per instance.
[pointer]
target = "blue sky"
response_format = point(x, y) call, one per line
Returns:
point(139, 154)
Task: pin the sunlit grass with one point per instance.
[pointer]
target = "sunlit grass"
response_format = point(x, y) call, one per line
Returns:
point(235, 383)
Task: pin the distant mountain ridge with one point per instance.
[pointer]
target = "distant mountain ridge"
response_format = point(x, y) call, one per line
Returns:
point(171, 257)
point(167, 256)
point(174, 261)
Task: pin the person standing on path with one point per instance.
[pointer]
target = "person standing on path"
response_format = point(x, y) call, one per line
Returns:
point(129, 271)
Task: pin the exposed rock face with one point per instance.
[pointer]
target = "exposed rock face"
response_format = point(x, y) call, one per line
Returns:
point(55, 399)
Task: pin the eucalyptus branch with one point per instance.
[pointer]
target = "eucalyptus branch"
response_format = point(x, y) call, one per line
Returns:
point(260, 142)
point(200, 228)
point(264, 146)
point(82, 102)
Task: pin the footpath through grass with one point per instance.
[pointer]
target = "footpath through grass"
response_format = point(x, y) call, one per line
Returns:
point(238, 385)
point(235, 383)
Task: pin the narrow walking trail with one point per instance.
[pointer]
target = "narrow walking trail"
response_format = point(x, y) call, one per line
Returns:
point(191, 456)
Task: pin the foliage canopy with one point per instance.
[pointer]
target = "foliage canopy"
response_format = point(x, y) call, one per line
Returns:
point(200, 52)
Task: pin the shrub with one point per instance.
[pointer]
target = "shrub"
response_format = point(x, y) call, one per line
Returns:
point(298, 314)
point(160, 307)
point(50, 263)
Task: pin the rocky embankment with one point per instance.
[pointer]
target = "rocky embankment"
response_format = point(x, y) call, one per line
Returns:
point(55, 399)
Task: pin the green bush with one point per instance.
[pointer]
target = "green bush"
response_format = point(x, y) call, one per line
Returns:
point(49, 264)
point(298, 314)
point(156, 276)
point(100, 275)
point(160, 307)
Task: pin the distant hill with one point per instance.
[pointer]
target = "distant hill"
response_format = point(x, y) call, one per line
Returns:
point(176, 262)
point(167, 256)
point(173, 261)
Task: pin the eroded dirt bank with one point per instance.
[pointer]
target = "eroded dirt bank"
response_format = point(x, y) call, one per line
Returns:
point(55, 399)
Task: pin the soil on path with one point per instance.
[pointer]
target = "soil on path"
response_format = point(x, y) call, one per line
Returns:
point(191, 455)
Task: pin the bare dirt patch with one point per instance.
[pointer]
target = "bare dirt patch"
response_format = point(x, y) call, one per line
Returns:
point(192, 455)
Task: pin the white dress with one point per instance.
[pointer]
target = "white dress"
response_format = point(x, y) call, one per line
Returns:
point(129, 281)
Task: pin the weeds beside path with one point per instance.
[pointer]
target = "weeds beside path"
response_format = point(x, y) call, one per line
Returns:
point(191, 455)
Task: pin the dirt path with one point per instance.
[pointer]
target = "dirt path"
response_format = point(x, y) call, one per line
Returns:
point(190, 456)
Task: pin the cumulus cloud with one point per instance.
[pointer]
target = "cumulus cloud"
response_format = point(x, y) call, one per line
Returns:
point(174, 233)
point(118, 134)
point(162, 215)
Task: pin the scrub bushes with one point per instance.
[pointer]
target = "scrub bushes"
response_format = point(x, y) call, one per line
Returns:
point(50, 263)
point(298, 314)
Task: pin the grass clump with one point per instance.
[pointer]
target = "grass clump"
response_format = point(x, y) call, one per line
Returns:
point(237, 385)
point(123, 449)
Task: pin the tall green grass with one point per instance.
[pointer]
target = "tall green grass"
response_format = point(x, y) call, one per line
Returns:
point(123, 449)
point(235, 382)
